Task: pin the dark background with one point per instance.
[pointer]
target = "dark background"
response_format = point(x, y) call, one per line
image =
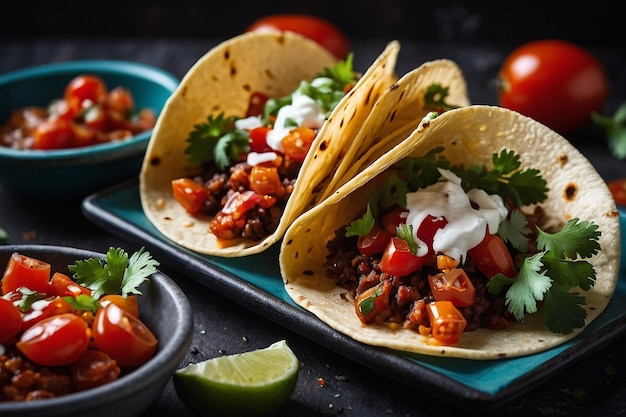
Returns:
point(588, 23)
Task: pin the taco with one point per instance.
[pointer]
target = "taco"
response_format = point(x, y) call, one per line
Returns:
point(249, 205)
point(436, 85)
point(544, 186)
point(223, 85)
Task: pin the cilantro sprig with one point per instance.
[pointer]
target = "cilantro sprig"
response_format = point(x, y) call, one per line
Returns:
point(117, 274)
point(435, 98)
point(506, 179)
point(218, 140)
point(614, 129)
point(550, 274)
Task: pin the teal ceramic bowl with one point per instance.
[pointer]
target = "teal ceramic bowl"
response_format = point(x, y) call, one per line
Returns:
point(75, 173)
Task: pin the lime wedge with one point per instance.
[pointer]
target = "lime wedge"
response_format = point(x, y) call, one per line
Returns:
point(255, 383)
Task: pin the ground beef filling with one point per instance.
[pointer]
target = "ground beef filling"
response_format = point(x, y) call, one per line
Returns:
point(252, 221)
point(410, 294)
point(22, 380)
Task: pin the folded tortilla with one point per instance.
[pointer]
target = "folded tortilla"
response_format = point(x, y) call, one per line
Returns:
point(469, 135)
point(222, 81)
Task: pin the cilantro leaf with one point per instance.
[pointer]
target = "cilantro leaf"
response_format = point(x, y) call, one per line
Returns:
point(28, 298)
point(361, 226)
point(423, 171)
point(526, 289)
point(505, 179)
point(229, 147)
point(435, 98)
point(205, 136)
point(562, 311)
point(614, 129)
point(140, 267)
point(326, 88)
point(342, 74)
point(568, 274)
point(83, 302)
point(574, 239)
point(514, 229)
point(549, 276)
point(118, 275)
point(405, 232)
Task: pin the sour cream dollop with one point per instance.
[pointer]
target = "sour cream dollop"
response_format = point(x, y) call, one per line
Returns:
point(303, 111)
point(466, 226)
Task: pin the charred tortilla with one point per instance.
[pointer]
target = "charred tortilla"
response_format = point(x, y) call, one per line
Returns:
point(469, 135)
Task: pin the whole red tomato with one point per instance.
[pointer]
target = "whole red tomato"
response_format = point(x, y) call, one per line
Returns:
point(320, 30)
point(555, 82)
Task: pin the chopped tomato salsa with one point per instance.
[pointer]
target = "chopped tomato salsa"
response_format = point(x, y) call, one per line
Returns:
point(87, 114)
point(247, 167)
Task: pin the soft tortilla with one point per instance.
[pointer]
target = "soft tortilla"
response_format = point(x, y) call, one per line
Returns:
point(222, 81)
point(403, 107)
point(469, 135)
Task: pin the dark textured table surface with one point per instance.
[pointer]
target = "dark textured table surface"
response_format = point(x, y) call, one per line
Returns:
point(592, 386)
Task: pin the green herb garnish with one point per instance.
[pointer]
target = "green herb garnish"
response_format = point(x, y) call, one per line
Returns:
point(614, 129)
point(546, 276)
point(203, 142)
point(435, 98)
point(361, 226)
point(549, 275)
point(220, 142)
point(118, 274)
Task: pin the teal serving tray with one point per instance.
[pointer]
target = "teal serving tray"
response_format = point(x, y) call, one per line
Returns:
point(257, 285)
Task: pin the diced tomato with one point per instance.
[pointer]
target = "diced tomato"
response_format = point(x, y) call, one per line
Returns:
point(128, 303)
point(238, 203)
point(265, 180)
point(258, 139)
point(374, 242)
point(25, 271)
point(56, 340)
point(453, 285)
point(144, 121)
point(256, 104)
point(85, 87)
point(372, 301)
point(11, 322)
point(492, 256)
point(444, 262)
point(393, 219)
point(53, 134)
point(446, 322)
point(66, 286)
point(82, 135)
point(122, 336)
point(398, 259)
point(189, 194)
point(120, 99)
point(298, 142)
point(95, 117)
point(426, 231)
point(51, 307)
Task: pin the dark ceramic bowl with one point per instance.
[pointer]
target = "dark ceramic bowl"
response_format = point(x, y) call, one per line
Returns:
point(163, 307)
point(74, 173)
